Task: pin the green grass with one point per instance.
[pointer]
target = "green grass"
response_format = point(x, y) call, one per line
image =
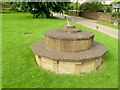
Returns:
point(8, 11)
point(108, 24)
point(19, 69)
point(5, 11)
point(0, 51)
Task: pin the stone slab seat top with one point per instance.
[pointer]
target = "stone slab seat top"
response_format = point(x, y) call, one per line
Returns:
point(69, 34)
point(96, 51)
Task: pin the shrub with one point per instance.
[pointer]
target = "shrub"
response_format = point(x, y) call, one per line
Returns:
point(109, 8)
point(116, 14)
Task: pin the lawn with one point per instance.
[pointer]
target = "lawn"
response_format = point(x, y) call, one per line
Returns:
point(19, 69)
point(108, 24)
point(0, 51)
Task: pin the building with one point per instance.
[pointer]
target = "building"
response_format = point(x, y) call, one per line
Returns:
point(116, 8)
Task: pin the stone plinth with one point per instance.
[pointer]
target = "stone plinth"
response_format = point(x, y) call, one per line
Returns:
point(69, 51)
point(67, 67)
point(72, 40)
point(68, 45)
point(69, 63)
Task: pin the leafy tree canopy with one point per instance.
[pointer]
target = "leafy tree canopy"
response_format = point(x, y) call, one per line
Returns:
point(39, 9)
point(44, 8)
point(93, 6)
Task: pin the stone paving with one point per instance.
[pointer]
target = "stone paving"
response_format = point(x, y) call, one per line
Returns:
point(91, 24)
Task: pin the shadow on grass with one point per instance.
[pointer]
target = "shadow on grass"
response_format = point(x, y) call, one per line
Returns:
point(52, 17)
point(8, 11)
point(29, 16)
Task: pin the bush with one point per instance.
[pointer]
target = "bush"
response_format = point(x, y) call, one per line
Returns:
point(109, 9)
point(116, 14)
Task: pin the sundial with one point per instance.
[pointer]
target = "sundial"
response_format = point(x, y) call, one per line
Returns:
point(69, 50)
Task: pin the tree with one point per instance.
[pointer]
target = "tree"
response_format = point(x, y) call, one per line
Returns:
point(93, 6)
point(42, 9)
point(109, 8)
point(24, 6)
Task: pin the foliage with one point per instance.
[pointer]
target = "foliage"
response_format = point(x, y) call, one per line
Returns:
point(108, 8)
point(116, 14)
point(19, 6)
point(14, 5)
point(93, 6)
point(118, 2)
point(74, 6)
point(44, 8)
point(23, 6)
point(5, 4)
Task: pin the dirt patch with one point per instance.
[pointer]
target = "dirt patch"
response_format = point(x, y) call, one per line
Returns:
point(27, 33)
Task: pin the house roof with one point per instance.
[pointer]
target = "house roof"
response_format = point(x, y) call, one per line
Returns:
point(117, 6)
